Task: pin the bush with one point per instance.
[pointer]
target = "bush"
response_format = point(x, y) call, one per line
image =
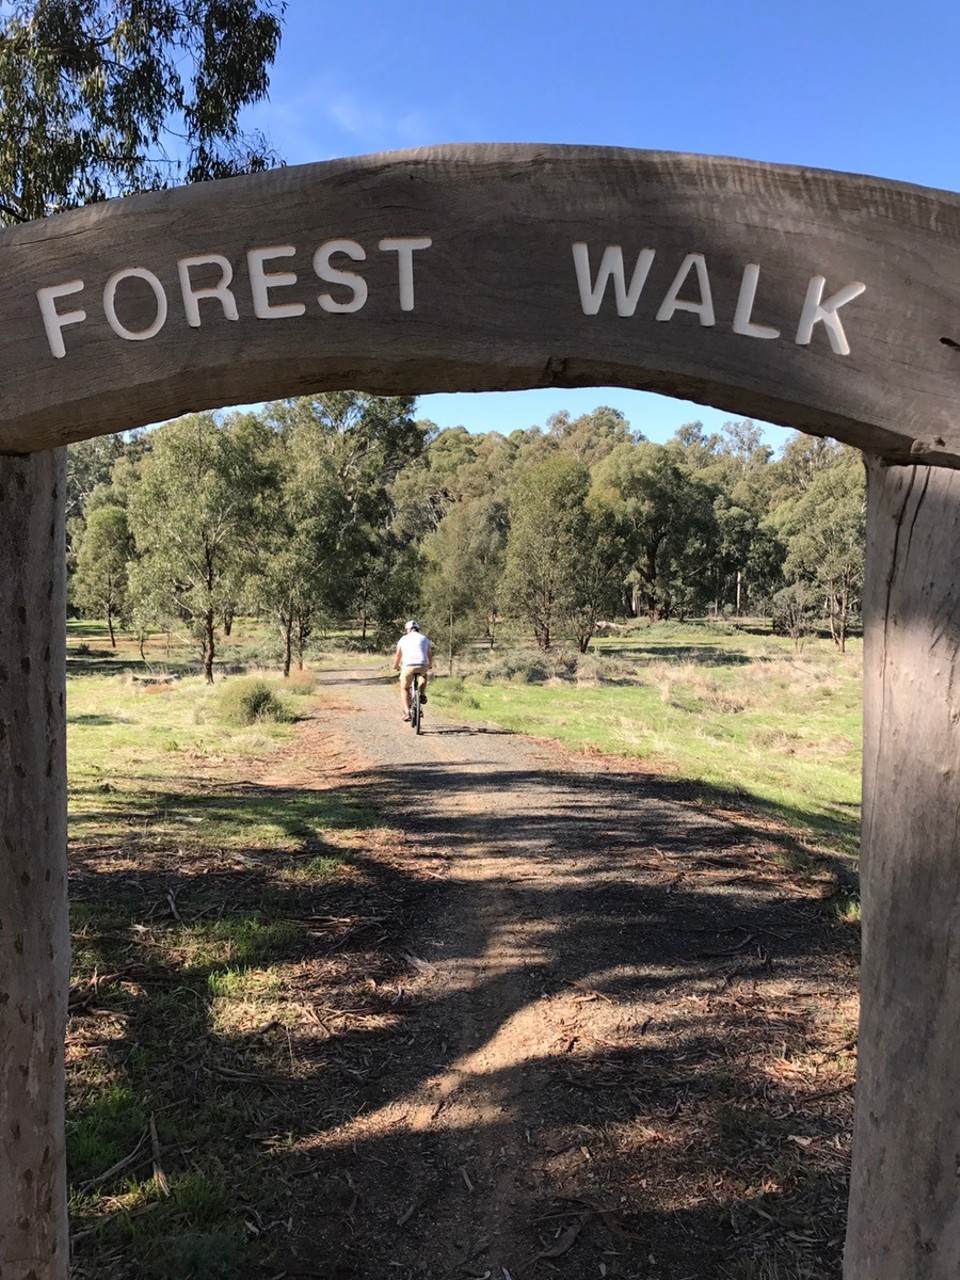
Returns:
point(249, 701)
point(520, 667)
point(300, 681)
point(793, 611)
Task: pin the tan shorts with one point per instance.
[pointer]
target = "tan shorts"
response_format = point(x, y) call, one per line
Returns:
point(407, 674)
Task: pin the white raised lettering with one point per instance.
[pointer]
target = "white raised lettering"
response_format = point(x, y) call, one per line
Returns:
point(742, 323)
point(820, 310)
point(262, 282)
point(611, 264)
point(673, 303)
point(405, 247)
point(109, 304)
point(350, 279)
point(53, 321)
point(221, 290)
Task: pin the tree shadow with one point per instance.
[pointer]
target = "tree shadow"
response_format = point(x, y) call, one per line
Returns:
point(358, 1111)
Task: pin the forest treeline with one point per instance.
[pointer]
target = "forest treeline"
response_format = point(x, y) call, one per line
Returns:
point(344, 508)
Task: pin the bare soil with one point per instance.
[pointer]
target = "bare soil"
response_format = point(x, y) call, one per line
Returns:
point(575, 1024)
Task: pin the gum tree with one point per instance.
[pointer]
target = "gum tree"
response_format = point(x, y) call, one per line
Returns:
point(105, 97)
point(98, 98)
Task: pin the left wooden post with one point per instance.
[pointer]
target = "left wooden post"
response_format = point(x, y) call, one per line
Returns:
point(34, 933)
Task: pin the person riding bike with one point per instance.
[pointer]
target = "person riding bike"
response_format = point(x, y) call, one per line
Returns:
point(413, 659)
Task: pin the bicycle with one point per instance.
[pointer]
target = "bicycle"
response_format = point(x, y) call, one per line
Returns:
point(416, 705)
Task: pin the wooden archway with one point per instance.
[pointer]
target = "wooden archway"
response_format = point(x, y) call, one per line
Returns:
point(822, 301)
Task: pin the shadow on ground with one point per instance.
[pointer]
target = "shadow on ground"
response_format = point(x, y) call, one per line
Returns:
point(699, 1126)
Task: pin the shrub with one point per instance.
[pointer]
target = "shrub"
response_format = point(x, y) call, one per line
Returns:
point(301, 681)
point(249, 701)
point(521, 667)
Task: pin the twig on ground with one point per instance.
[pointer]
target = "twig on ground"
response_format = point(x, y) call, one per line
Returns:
point(828, 1093)
point(730, 951)
point(565, 1242)
point(159, 1177)
point(135, 1157)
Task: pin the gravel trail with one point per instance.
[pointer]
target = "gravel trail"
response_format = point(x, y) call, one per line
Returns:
point(593, 954)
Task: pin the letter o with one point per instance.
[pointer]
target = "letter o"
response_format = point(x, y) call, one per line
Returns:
point(109, 296)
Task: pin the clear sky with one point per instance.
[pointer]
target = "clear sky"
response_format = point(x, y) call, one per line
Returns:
point(833, 84)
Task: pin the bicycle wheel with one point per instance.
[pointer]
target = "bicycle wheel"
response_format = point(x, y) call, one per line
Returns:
point(419, 723)
point(415, 712)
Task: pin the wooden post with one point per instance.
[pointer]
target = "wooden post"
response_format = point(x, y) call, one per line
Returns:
point(904, 1219)
point(34, 935)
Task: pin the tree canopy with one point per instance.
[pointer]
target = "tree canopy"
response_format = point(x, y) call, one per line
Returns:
point(344, 509)
point(102, 98)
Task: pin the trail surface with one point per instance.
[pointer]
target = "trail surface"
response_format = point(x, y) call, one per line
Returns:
point(614, 1033)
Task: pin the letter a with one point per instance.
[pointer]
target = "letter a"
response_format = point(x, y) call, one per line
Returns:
point(672, 302)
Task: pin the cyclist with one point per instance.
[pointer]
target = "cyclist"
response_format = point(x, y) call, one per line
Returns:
point(413, 659)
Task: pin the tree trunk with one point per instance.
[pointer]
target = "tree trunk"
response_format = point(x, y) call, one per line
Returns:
point(113, 638)
point(34, 936)
point(844, 616)
point(904, 1219)
point(209, 646)
point(304, 632)
point(286, 630)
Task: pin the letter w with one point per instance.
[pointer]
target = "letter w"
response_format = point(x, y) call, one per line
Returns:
point(611, 264)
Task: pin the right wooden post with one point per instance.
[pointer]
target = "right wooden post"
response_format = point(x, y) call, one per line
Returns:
point(904, 1217)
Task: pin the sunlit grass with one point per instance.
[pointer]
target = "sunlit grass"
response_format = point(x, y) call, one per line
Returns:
point(190, 880)
point(744, 715)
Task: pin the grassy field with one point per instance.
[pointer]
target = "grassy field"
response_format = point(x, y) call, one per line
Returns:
point(192, 889)
point(733, 711)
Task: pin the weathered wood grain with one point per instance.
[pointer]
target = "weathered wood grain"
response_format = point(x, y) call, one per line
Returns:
point(495, 298)
point(34, 939)
point(904, 1216)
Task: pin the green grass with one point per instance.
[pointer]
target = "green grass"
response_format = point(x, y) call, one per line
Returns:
point(736, 714)
point(191, 894)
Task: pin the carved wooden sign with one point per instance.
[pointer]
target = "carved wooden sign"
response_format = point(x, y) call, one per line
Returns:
point(823, 301)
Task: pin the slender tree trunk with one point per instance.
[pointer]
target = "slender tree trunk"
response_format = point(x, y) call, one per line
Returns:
point(209, 646)
point(304, 631)
point(844, 616)
point(34, 937)
point(904, 1219)
point(113, 638)
point(286, 627)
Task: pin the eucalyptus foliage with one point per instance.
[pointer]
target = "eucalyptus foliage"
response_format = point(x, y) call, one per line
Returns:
point(101, 98)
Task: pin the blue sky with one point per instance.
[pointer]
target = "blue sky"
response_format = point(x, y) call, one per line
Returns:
point(849, 85)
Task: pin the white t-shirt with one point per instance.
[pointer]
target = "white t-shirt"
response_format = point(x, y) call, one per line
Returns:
point(414, 649)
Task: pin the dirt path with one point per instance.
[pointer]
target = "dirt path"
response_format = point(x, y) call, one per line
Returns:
point(616, 1031)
